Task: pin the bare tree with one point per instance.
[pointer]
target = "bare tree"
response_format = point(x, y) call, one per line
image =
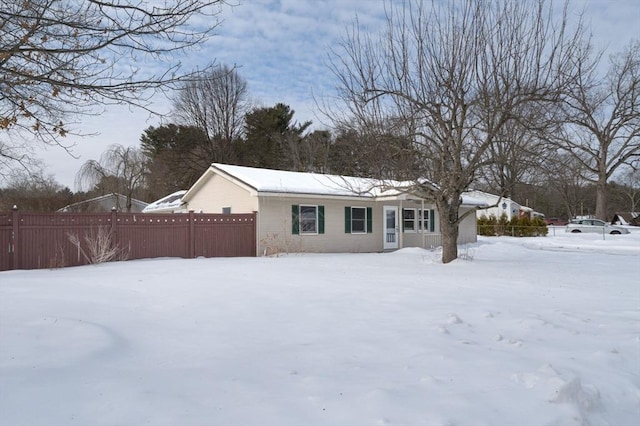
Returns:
point(602, 117)
point(120, 170)
point(452, 75)
point(216, 103)
point(630, 188)
point(34, 192)
point(63, 58)
point(565, 179)
point(518, 155)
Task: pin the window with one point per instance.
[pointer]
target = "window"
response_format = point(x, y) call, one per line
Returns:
point(426, 220)
point(226, 210)
point(409, 220)
point(358, 220)
point(415, 220)
point(306, 219)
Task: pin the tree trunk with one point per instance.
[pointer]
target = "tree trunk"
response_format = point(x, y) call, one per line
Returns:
point(449, 229)
point(449, 241)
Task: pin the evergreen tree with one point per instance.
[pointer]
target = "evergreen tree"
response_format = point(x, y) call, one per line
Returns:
point(175, 160)
point(272, 139)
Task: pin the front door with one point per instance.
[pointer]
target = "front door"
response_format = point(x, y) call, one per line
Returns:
point(390, 227)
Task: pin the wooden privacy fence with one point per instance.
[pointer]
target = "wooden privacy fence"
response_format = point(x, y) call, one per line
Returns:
point(46, 240)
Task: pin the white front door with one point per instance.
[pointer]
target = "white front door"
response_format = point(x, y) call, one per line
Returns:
point(390, 230)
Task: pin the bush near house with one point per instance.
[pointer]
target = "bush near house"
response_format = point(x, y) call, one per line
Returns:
point(516, 227)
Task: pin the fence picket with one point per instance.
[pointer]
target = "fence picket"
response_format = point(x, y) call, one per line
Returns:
point(41, 240)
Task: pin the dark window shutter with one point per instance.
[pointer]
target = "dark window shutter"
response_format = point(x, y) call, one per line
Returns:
point(432, 221)
point(347, 220)
point(369, 220)
point(320, 219)
point(295, 219)
point(402, 218)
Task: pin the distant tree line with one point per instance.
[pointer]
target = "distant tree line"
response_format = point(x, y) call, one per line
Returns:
point(213, 122)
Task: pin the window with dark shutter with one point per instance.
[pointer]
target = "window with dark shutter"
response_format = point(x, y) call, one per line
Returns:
point(432, 221)
point(358, 220)
point(347, 220)
point(320, 219)
point(295, 219)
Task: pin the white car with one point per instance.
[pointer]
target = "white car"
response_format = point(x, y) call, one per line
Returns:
point(594, 225)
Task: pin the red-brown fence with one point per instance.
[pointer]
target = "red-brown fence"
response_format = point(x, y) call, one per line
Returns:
point(44, 240)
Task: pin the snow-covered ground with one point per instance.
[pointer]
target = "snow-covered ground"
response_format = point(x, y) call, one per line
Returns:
point(534, 331)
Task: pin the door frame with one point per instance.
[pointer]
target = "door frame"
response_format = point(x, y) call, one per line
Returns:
point(390, 240)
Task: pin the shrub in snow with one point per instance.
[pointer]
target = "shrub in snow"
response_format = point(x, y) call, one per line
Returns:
point(516, 227)
point(98, 246)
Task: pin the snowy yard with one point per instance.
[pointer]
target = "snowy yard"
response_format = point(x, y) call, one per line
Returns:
point(537, 331)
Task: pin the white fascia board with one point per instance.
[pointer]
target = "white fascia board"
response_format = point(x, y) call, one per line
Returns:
point(314, 195)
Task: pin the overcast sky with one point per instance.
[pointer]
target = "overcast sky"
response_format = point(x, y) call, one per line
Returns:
point(281, 48)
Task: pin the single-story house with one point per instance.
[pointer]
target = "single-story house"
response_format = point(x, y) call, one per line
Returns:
point(626, 218)
point(172, 203)
point(498, 206)
point(105, 203)
point(311, 212)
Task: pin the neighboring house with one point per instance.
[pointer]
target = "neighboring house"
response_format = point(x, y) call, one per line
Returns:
point(105, 203)
point(626, 218)
point(309, 212)
point(497, 206)
point(172, 203)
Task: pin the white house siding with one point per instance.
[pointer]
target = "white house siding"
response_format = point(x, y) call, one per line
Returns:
point(275, 233)
point(467, 232)
point(218, 193)
point(504, 205)
point(275, 228)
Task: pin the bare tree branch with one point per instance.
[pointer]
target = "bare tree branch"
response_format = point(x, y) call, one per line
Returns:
point(63, 58)
point(602, 121)
point(120, 170)
point(453, 75)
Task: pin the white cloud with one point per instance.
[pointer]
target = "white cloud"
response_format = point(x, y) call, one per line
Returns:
point(281, 48)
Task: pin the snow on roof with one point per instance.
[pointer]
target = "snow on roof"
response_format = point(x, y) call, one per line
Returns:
point(170, 202)
point(282, 181)
point(468, 200)
point(141, 204)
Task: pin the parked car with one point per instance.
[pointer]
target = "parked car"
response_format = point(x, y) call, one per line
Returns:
point(594, 225)
point(554, 221)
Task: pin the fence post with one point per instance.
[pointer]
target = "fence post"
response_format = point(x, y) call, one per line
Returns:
point(255, 233)
point(114, 224)
point(192, 236)
point(15, 239)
